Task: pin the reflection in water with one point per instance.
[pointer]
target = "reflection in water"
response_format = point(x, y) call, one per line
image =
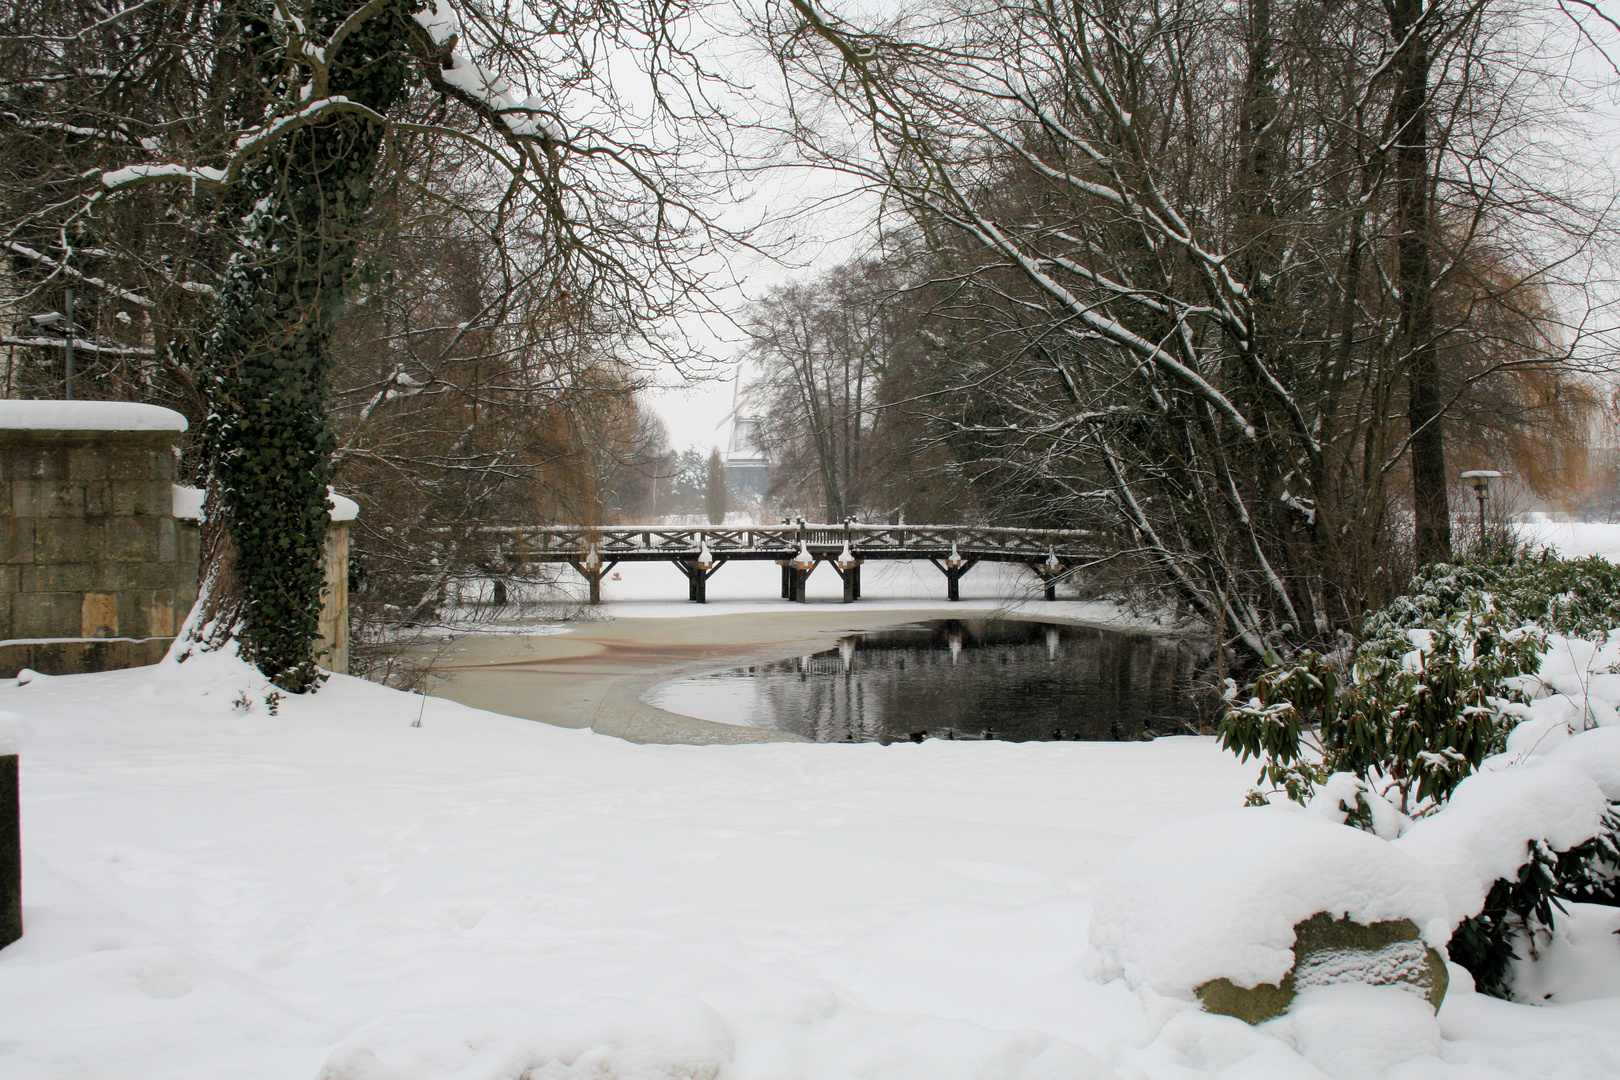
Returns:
point(962, 679)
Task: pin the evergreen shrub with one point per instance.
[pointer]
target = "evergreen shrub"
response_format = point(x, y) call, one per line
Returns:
point(1418, 707)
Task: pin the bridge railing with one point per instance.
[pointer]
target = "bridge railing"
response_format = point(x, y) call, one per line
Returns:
point(954, 549)
point(719, 539)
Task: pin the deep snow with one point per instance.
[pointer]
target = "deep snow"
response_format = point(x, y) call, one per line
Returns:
point(335, 893)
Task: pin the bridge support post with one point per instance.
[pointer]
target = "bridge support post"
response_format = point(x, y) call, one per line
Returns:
point(1048, 577)
point(694, 580)
point(851, 575)
point(953, 576)
point(697, 578)
point(787, 581)
point(593, 575)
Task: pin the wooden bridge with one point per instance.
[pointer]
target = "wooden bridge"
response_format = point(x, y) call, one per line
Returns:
point(798, 549)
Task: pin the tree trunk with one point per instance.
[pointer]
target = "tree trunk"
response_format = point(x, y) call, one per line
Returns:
point(216, 617)
point(1414, 279)
point(270, 356)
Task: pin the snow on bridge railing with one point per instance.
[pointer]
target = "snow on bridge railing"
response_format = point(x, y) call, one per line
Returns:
point(799, 547)
point(607, 539)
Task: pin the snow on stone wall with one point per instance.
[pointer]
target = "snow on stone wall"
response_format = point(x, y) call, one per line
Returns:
point(87, 416)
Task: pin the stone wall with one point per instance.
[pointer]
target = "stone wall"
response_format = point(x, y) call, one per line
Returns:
point(96, 572)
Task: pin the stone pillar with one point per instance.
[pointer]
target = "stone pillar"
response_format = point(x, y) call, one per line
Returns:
point(96, 572)
point(332, 651)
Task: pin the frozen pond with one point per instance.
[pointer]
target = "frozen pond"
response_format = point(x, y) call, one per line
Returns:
point(959, 679)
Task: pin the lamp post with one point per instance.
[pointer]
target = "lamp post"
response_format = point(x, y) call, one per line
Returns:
point(56, 318)
point(1482, 490)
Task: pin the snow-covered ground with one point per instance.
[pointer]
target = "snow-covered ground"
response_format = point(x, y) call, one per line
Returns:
point(367, 885)
point(1573, 539)
point(333, 892)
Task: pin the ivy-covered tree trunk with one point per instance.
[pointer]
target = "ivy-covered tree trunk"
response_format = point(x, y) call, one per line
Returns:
point(310, 197)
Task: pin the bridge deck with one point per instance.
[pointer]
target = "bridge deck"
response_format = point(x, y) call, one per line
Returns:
point(798, 548)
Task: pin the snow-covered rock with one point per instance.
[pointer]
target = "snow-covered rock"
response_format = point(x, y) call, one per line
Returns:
point(1219, 896)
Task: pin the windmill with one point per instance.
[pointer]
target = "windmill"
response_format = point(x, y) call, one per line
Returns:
point(737, 434)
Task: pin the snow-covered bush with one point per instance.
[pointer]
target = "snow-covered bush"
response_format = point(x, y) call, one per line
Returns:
point(1486, 664)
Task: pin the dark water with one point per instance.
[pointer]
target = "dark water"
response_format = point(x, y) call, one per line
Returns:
point(964, 679)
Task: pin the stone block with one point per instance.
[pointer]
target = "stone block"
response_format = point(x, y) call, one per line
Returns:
point(86, 463)
point(160, 615)
point(47, 615)
point(6, 598)
point(47, 498)
point(76, 657)
point(98, 615)
point(188, 542)
point(142, 461)
point(98, 499)
point(16, 540)
point(133, 577)
point(133, 539)
point(168, 539)
point(69, 540)
point(40, 461)
point(124, 498)
point(58, 577)
point(1330, 951)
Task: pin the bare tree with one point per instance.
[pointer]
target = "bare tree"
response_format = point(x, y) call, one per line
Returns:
point(823, 349)
point(1214, 261)
point(265, 138)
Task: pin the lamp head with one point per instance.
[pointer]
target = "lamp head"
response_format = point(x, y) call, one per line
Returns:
point(1482, 481)
point(50, 318)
